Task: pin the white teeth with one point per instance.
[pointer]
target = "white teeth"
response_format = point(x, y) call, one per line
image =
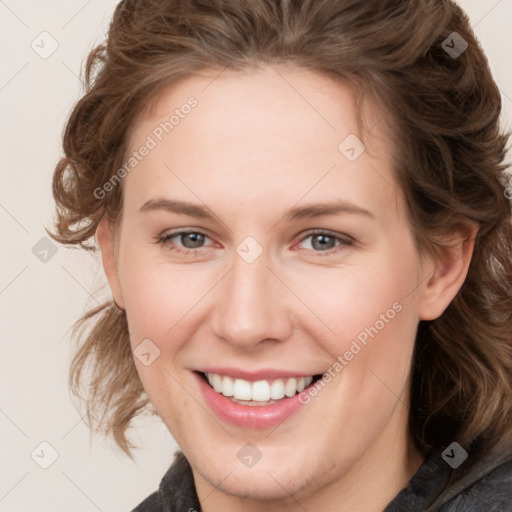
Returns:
point(242, 390)
point(250, 403)
point(290, 387)
point(277, 389)
point(228, 386)
point(217, 382)
point(259, 391)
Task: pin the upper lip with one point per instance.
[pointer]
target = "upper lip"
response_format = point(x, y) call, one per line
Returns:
point(263, 374)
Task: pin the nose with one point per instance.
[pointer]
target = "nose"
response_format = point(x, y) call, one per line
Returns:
point(254, 307)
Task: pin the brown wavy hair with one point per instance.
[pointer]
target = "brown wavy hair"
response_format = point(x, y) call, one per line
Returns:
point(449, 162)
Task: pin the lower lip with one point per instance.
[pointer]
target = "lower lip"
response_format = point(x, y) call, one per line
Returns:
point(246, 416)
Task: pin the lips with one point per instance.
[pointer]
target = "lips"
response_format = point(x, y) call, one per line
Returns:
point(255, 414)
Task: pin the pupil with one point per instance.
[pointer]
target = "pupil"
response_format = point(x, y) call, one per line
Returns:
point(324, 242)
point(195, 239)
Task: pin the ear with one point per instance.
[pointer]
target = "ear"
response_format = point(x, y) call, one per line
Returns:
point(106, 241)
point(446, 272)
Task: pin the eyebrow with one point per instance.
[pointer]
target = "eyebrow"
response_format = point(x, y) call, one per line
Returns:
point(296, 213)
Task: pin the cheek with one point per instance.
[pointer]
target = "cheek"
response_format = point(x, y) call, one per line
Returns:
point(157, 295)
point(373, 313)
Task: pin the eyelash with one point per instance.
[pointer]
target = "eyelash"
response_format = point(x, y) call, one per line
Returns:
point(345, 241)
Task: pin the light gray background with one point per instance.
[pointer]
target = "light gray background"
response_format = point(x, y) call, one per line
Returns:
point(40, 301)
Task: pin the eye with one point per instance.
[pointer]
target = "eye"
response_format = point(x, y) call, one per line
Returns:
point(188, 242)
point(184, 242)
point(326, 241)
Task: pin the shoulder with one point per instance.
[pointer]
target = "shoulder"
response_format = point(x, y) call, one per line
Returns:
point(485, 487)
point(152, 503)
point(481, 483)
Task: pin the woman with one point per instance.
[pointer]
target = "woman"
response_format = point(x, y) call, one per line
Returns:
point(302, 215)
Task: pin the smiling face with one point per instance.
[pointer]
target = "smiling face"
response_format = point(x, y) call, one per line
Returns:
point(299, 261)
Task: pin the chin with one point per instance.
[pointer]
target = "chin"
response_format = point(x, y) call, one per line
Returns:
point(274, 481)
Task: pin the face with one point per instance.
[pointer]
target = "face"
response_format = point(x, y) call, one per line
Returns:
point(256, 249)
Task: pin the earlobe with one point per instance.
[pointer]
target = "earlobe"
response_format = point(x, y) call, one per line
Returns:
point(106, 243)
point(446, 273)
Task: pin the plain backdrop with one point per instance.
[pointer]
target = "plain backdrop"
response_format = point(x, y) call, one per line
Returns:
point(42, 292)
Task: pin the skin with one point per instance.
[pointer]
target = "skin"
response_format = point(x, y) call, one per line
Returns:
point(252, 149)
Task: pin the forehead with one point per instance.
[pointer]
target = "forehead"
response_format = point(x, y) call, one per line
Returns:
point(273, 128)
point(231, 99)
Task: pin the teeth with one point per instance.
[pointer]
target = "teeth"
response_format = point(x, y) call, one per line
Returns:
point(228, 386)
point(290, 387)
point(259, 391)
point(216, 382)
point(250, 403)
point(301, 384)
point(277, 389)
point(242, 390)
